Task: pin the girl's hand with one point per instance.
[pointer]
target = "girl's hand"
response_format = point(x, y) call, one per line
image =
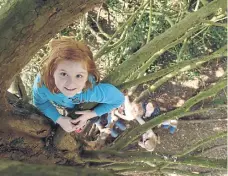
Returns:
point(80, 122)
point(114, 117)
point(65, 123)
point(105, 130)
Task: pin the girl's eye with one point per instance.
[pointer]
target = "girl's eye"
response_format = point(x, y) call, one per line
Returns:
point(79, 76)
point(63, 74)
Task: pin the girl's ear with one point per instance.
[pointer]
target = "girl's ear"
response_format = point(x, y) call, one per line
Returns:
point(90, 82)
point(91, 79)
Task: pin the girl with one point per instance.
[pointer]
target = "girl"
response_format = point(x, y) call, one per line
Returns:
point(69, 77)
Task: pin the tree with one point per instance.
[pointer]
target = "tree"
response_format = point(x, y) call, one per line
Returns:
point(27, 25)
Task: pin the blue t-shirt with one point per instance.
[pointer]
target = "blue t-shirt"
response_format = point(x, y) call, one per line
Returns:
point(107, 95)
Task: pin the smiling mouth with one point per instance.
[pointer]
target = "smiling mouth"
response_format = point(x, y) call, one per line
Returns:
point(70, 89)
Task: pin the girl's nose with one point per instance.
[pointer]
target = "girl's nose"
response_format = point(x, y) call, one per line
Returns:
point(69, 82)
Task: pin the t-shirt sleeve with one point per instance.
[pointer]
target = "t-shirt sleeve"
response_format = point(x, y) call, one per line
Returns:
point(41, 101)
point(108, 97)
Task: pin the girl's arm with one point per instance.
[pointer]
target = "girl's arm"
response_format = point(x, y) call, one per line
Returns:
point(108, 97)
point(41, 101)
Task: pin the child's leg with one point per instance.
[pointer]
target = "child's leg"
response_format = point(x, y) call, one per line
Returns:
point(120, 125)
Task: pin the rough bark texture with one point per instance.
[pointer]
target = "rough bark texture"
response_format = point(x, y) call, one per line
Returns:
point(24, 118)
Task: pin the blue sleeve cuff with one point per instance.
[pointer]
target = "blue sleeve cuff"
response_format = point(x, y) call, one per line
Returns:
point(105, 108)
point(41, 101)
point(48, 110)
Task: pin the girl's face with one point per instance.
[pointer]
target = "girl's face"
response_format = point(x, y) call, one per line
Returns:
point(70, 77)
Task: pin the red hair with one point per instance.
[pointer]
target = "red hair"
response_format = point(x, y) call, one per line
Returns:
point(67, 49)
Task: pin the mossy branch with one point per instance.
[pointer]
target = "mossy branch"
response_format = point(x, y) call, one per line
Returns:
point(123, 39)
point(215, 24)
point(202, 142)
point(150, 22)
point(161, 41)
point(192, 65)
point(139, 72)
point(205, 94)
point(182, 50)
point(12, 168)
point(179, 172)
point(160, 73)
point(122, 167)
point(194, 147)
point(133, 157)
point(175, 114)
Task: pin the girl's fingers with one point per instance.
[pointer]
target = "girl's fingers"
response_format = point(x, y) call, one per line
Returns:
point(75, 121)
point(113, 113)
point(80, 112)
point(121, 115)
point(79, 125)
point(78, 129)
point(114, 117)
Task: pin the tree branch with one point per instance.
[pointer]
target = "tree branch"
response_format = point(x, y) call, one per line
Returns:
point(132, 157)
point(201, 143)
point(192, 64)
point(175, 114)
point(162, 40)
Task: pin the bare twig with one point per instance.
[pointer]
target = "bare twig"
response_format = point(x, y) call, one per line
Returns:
point(150, 22)
point(129, 21)
point(214, 23)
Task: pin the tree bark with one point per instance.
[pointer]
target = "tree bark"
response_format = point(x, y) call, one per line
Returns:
point(24, 118)
point(14, 168)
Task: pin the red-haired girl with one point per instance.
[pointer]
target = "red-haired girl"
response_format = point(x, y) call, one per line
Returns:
point(69, 77)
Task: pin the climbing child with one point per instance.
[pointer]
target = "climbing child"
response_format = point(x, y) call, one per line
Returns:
point(69, 77)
